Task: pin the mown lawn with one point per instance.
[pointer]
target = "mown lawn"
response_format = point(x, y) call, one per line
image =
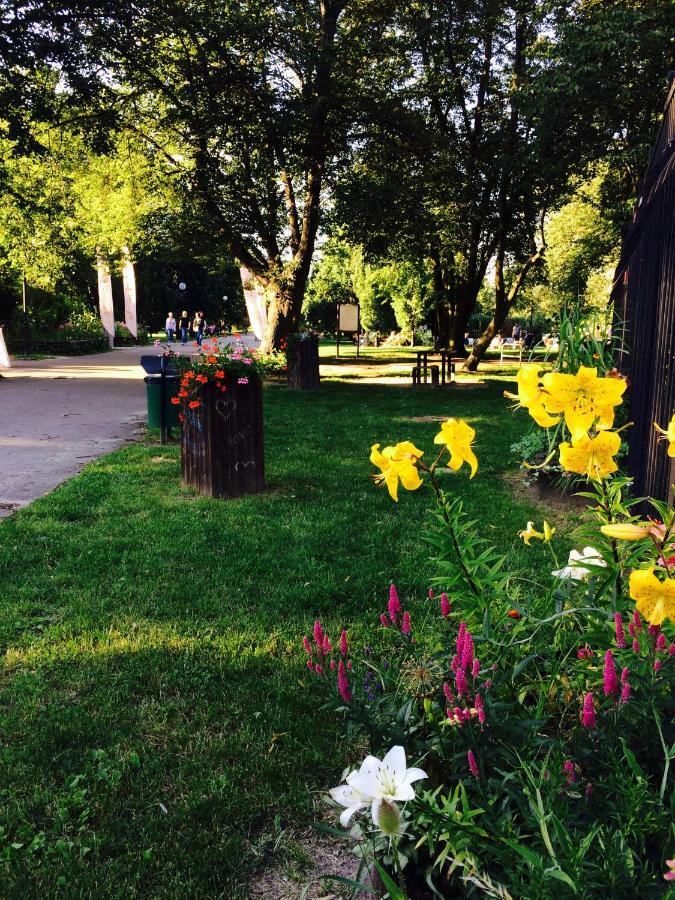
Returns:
point(154, 718)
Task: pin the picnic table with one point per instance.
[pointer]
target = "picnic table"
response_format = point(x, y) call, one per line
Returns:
point(423, 367)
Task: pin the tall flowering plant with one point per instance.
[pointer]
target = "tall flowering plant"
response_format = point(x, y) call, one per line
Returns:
point(541, 714)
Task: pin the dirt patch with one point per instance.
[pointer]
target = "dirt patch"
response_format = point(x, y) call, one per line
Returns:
point(545, 494)
point(298, 870)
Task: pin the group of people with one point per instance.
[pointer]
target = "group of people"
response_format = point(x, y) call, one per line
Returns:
point(184, 326)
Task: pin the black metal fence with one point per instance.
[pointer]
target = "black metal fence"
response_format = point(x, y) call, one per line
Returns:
point(644, 312)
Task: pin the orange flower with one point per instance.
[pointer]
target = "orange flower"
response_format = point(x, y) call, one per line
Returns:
point(211, 359)
point(202, 379)
point(189, 374)
point(194, 404)
point(514, 614)
point(182, 393)
point(220, 373)
point(175, 401)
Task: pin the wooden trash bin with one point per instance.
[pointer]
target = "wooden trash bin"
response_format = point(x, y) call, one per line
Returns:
point(222, 451)
point(303, 364)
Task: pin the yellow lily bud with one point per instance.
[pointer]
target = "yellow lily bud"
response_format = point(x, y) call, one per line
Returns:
point(548, 531)
point(626, 531)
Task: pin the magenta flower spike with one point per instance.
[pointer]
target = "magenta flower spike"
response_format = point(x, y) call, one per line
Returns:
point(625, 692)
point(343, 684)
point(447, 692)
point(475, 668)
point(318, 635)
point(384, 619)
point(405, 623)
point(306, 644)
point(620, 633)
point(473, 765)
point(343, 643)
point(327, 646)
point(394, 604)
point(460, 638)
point(657, 665)
point(588, 714)
point(430, 593)
point(610, 682)
point(636, 645)
point(467, 651)
point(568, 769)
point(480, 708)
point(461, 683)
point(445, 605)
point(637, 620)
point(624, 675)
point(671, 649)
point(661, 642)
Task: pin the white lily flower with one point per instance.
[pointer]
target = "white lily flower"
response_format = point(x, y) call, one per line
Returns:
point(387, 779)
point(575, 568)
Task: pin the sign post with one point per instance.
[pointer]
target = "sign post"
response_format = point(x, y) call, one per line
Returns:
point(349, 321)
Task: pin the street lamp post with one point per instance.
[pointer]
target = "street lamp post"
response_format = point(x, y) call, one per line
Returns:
point(26, 329)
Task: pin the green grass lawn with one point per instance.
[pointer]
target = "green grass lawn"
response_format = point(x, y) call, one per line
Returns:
point(155, 719)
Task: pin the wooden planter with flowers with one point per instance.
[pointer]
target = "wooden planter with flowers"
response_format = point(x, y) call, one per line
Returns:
point(222, 448)
point(302, 353)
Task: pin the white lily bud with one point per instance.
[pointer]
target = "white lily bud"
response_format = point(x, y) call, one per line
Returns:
point(387, 817)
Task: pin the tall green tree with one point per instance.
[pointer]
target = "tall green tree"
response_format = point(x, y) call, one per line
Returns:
point(240, 101)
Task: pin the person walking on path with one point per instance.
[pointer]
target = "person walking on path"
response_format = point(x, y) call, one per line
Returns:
point(170, 328)
point(184, 325)
point(198, 327)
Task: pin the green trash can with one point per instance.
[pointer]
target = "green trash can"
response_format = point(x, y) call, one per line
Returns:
point(153, 387)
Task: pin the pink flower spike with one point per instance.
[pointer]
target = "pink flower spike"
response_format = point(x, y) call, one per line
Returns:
point(654, 630)
point(588, 714)
point(447, 692)
point(636, 645)
point(306, 644)
point(610, 683)
point(475, 668)
point(631, 629)
point(568, 769)
point(430, 593)
point(657, 665)
point(349, 665)
point(445, 605)
point(624, 675)
point(327, 646)
point(637, 620)
point(620, 633)
point(457, 716)
point(454, 665)
point(405, 623)
point(461, 683)
point(310, 664)
point(343, 643)
point(318, 669)
point(460, 638)
point(318, 634)
point(625, 692)
point(384, 619)
point(394, 604)
point(480, 708)
point(473, 765)
point(589, 791)
point(343, 684)
point(486, 685)
point(671, 650)
point(661, 642)
point(467, 651)
point(584, 652)
point(332, 665)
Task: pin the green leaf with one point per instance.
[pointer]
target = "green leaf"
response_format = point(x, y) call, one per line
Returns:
point(395, 892)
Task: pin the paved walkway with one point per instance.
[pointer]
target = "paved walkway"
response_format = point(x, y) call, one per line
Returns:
point(58, 414)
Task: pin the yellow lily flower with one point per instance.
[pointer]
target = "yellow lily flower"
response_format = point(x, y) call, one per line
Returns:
point(457, 435)
point(585, 399)
point(531, 397)
point(397, 464)
point(654, 598)
point(592, 457)
point(529, 533)
point(548, 532)
point(669, 433)
point(626, 531)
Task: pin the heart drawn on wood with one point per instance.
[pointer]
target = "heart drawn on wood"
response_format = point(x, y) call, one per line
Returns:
point(243, 465)
point(225, 408)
